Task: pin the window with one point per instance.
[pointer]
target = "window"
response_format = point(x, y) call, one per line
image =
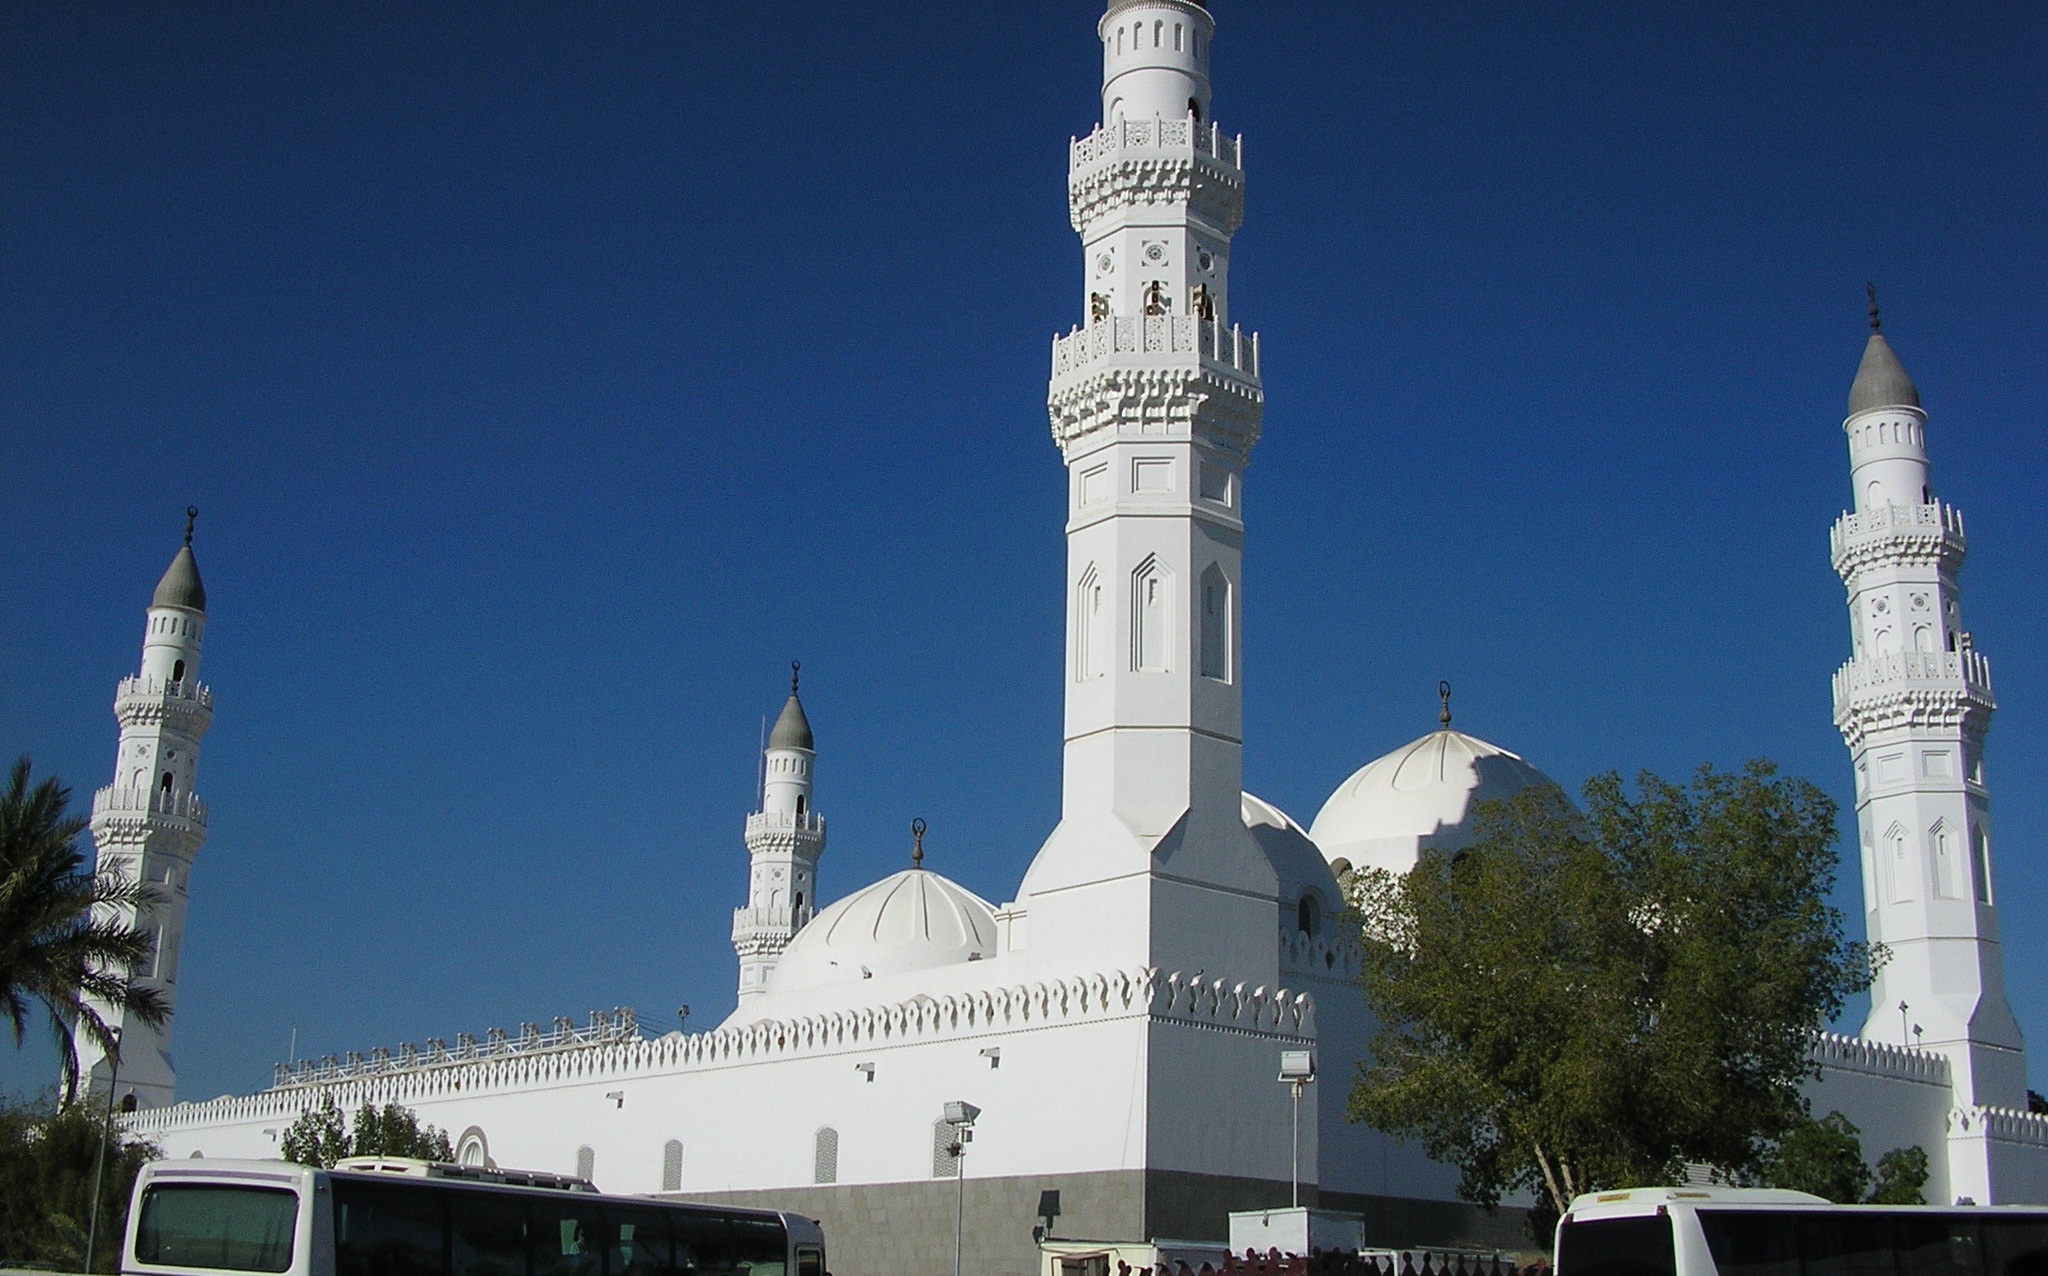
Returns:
point(566, 1236)
point(672, 1151)
point(1980, 855)
point(236, 1229)
point(636, 1241)
point(1309, 915)
point(386, 1231)
point(586, 1162)
point(1215, 624)
point(486, 1233)
point(166, 785)
point(825, 1158)
point(178, 671)
point(1152, 618)
point(1618, 1247)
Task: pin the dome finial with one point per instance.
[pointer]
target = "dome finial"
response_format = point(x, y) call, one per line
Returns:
point(1875, 322)
point(795, 667)
point(1443, 689)
point(191, 517)
point(917, 828)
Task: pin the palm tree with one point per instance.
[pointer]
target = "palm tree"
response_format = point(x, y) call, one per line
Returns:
point(62, 943)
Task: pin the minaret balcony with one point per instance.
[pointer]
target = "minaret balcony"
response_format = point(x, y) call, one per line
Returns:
point(1157, 341)
point(1913, 687)
point(1898, 535)
point(186, 705)
point(112, 801)
point(1156, 161)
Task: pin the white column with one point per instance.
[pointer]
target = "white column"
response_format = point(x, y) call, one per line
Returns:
point(1914, 704)
point(1155, 403)
point(785, 838)
point(149, 823)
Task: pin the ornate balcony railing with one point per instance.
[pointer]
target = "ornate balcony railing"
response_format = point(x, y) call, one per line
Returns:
point(1913, 670)
point(604, 1028)
point(1147, 339)
point(1156, 134)
point(127, 801)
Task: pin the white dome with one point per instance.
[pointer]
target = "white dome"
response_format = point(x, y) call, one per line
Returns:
point(914, 920)
point(1419, 795)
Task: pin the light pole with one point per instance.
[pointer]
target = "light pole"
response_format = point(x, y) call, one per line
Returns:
point(960, 1115)
point(1297, 1069)
point(99, 1165)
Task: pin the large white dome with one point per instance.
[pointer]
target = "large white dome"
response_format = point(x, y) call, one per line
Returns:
point(1419, 795)
point(914, 920)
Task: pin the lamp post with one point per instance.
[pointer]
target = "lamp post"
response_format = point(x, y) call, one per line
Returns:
point(99, 1166)
point(960, 1115)
point(1297, 1069)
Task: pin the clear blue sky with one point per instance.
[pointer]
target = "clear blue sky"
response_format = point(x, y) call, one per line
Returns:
point(549, 376)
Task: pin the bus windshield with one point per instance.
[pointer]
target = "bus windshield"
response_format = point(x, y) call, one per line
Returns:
point(220, 1226)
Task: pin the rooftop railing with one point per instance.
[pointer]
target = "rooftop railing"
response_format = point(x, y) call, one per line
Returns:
point(604, 1028)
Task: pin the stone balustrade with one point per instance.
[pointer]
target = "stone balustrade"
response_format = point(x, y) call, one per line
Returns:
point(1933, 530)
point(1163, 339)
point(1904, 671)
point(141, 688)
point(1155, 136)
point(785, 822)
point(129, 801)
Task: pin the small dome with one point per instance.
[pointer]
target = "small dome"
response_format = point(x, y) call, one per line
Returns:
point(180, 586)
point(1881, 380)
point(1419, 795)
point(792, 729)
point(914, 920)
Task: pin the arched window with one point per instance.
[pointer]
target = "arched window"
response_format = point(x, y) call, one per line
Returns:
point(1308, 915)
point(586, 1162)
point(166, 785)
point(1195, 109)
point(473, 1149)
point(1942, 846)
point(178, 671)
point(1215, 624)
point(1898, 864)
point(825, 1162)
point(672, 1166)
point(128, 1102)
point(1980, 855)
point(797, 901)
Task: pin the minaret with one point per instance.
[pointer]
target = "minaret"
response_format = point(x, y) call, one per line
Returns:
point(1155, 403)
point(784, 839)
point(1913, 705)
point(149, 823)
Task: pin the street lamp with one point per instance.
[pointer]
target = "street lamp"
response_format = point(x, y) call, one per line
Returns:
point(1297, 1069)
point(960, 1115)
point(99, 1165)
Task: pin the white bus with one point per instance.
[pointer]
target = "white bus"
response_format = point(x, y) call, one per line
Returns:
point(1718, 1231)
point(411, 1218)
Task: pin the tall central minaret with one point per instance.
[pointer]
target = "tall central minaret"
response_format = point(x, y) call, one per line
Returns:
point(1155, 404)
point(1914, 704)
point(149, 824)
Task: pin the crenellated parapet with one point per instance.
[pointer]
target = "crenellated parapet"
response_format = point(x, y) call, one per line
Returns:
point(2005, 1125)
point(1157, 376)
point(612, 1049)
point(786, 831)
point(1877, 1058)
point(185, 706)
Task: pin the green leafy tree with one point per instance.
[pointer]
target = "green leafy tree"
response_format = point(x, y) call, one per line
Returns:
point(1901, 1178)
point(1825, 1157)
point(320, 1137)
point(1581, 1001)
point(47, 1160)
point(62, 946)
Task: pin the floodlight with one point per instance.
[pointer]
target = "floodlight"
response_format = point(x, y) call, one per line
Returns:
point(960, 1112)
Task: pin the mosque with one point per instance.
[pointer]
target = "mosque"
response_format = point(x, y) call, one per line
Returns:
point(1120, 1021)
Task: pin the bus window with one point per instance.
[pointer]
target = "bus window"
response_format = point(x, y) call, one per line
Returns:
point(1848, 1243)
point(234, 1229)
point(760, 1246)
point(1752, 1244)
point(566, 1239)
point(486, 1234)
point(638, 1240)
point(387, 1230)
point(810, 1261)
point(2016, 1246)
point(1639, 1246)
point(1937, 1245)
point(703, 1244)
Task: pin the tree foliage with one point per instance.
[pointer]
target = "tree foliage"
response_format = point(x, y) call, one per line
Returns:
point(62, 947)
point(1580, 1001)
point(321, 1137)
point(47, 1162)
point(1825, 1157)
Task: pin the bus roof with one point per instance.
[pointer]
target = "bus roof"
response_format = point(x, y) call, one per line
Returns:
point(1640, 1200)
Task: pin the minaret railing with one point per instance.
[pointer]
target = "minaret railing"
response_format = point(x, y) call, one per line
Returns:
point(1226, 348)
point(122, 801)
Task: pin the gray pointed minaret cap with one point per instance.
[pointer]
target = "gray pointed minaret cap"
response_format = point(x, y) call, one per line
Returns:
point(792, 729)
point(1881, 380)
point(180, 586)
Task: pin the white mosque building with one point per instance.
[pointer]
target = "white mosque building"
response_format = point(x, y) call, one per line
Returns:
point(1120, 1020)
